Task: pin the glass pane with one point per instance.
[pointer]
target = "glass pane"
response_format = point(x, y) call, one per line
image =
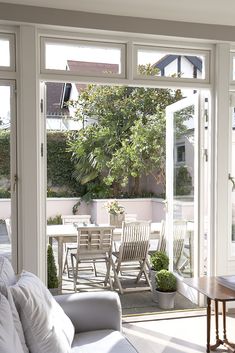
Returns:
point(233, 67)
point(83, 58)
point(233, 175)
point(152, 62)
point(5, 186)
point(4, 52)
point(183, 214)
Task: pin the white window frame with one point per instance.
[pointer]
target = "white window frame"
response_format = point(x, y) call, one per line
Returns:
point(98, 44)
point(173, 51)
point(232, 56)
point(11, 38)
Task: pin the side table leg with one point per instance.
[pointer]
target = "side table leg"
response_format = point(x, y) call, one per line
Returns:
point(216, 322)
point(226, 343)
point(224, 321)
point(218, 341)
point(208, 324)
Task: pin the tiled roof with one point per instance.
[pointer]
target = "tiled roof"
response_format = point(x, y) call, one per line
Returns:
point(54, 95)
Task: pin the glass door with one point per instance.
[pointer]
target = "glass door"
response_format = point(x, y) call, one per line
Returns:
point(184, 185)
point(8, 176)
point(232, 179)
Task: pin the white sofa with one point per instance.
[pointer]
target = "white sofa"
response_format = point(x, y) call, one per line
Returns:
point(33, 321)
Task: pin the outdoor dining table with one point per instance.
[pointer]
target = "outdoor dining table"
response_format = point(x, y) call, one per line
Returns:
point(67, 233)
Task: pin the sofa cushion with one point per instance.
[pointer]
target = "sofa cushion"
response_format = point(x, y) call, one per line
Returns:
point(7, 275)
point(101, 341)
point(46, 327)
point(9, 339)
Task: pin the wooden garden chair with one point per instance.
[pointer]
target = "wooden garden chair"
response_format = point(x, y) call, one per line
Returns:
point(94, 244)
point(133, 254)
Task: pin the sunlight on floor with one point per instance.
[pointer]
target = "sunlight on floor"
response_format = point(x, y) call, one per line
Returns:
point(186, 335)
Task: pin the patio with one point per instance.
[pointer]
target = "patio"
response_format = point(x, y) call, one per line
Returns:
point(134, 303)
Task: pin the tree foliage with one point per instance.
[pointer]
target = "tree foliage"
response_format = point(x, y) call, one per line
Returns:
point(123, 138)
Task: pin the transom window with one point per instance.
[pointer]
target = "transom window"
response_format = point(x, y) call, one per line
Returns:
point(7, 56)
point(159, 62)
point(84, 58)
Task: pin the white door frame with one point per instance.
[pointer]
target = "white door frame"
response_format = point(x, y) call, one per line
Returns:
point(198, 208)
point(13, 171)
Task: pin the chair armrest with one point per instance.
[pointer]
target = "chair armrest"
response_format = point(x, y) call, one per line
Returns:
point(92, 311)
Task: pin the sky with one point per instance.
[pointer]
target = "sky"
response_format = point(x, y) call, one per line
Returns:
point(58, 54)
point(5, 53)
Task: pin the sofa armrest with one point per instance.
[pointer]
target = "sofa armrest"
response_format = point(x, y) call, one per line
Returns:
point(92, 311)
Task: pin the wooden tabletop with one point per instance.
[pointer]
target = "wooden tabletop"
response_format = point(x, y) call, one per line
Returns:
point(210, 287)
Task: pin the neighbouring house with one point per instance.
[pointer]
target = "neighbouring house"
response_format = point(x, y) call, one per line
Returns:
point(181, 65)
point(59, 115)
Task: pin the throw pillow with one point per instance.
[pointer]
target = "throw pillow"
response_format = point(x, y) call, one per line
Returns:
point(7, 278)
point(16, 320)
point(46, 326)
point(9, 339)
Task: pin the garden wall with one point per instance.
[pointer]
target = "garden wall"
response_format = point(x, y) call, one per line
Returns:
point(145, 209)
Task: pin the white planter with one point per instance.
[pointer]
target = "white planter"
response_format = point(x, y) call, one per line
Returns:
point(166, 300)
point(153, 285)
point(54, 291)
point(116, 219)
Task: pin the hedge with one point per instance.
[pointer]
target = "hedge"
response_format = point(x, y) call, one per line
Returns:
point(59, 166)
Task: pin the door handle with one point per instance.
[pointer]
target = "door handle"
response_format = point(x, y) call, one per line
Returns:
point(232, 179)
point(15, 183)
point(165, 205)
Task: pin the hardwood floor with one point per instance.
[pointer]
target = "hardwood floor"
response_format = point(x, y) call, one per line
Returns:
point(187, 335)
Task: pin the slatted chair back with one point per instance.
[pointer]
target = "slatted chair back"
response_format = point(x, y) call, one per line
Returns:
point(134, 241)
point(70, 219)
point(162, 237)
point(179, 233)
point(8, 227)
point(94, 242)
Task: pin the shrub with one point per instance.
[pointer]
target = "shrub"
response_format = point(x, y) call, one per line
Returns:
point(5, 194)
point(159, 261)
point(55, 220)
point(166, 281)
point(183, 182)
point(52, 279)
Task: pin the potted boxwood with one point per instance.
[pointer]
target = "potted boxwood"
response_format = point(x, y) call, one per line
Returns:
point(166, 287)
point(52, 279)
point(159, 261)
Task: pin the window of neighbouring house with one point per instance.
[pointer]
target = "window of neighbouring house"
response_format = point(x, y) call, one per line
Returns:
point(84, 58)
point(180, 153)
point(171, 63)
point(7, 52)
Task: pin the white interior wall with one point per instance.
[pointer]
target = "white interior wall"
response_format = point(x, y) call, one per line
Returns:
point(32, 224)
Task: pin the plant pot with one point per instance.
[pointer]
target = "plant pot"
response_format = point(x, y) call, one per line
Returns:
point(153, 285)
point(116, 219)
point(54, 291)
point(166, 300)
